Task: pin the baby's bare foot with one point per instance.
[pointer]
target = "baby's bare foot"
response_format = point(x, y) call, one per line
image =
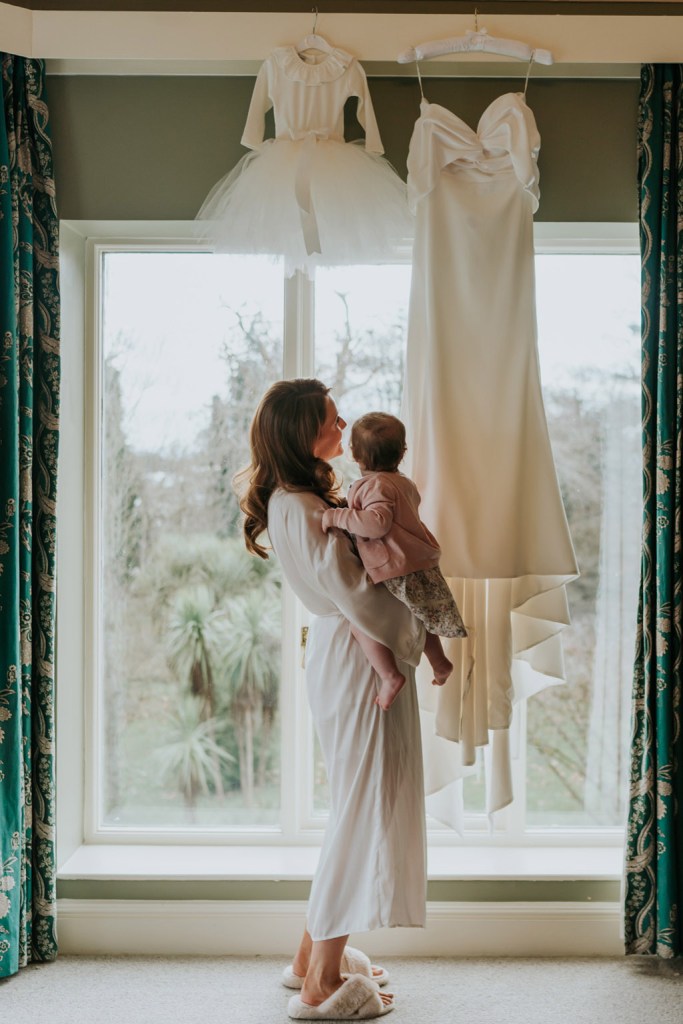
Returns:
point(389, 690)
point(442, 670)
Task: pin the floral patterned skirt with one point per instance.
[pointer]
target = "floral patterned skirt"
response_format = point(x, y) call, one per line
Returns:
point(427, 595)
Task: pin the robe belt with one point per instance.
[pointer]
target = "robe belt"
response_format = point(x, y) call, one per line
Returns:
point(302, 190)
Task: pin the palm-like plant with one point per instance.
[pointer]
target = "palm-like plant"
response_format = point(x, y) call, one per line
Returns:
point(194, 637)
point(231, 571)
point(189, 756)
point(220, 608)
point(250, 664)
point(224, 566)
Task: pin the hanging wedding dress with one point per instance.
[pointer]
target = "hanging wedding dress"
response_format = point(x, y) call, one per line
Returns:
point(308, 195)
point(478, 441)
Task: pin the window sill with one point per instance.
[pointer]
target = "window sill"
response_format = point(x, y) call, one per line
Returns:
point(298, 863)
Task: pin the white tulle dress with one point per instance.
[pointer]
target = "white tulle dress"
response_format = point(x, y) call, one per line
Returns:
point(308, 195)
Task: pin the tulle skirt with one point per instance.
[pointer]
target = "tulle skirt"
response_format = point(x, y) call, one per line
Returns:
point(315, 202)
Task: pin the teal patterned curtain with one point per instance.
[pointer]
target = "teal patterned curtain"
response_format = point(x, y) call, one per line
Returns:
point(654, 844)
point(29, 407)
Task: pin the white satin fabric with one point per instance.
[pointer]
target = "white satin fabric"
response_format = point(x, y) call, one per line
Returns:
point(372, 868)
point(478, 442)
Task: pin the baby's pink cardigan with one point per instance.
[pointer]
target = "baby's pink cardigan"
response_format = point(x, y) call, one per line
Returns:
point(383, 514)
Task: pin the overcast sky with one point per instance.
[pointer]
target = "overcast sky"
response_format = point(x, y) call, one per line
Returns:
point(168, 314)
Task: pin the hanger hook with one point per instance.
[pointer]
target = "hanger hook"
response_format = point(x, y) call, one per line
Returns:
point(476, 20)
point(528, 71)
point(314, 10)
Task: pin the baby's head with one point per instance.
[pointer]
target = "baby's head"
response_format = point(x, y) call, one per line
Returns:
point(378, 442)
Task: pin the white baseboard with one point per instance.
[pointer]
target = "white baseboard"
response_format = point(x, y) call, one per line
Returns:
point(221, 928)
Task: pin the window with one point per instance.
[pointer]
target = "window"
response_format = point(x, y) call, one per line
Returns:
point(197, 719)
point(589, 346)
point(571, 773)
point(190, 624)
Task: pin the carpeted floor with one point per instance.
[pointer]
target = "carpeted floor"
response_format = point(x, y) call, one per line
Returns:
point(241, 990)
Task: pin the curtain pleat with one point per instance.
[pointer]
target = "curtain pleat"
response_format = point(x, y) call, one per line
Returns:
point(654, 842)
point(29, 431)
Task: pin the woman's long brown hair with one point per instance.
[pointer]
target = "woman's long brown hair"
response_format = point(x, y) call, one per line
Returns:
point(283, 433)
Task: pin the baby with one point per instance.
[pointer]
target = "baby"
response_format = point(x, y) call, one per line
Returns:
point(396, 548)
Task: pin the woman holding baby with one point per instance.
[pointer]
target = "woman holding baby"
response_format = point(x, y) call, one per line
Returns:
point(372, 868)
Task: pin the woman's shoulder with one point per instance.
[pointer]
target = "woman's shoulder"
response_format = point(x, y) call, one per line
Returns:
point(296, 503)
point(295, 523)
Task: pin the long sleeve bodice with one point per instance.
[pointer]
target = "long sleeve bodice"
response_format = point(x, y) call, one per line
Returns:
point(308, 99)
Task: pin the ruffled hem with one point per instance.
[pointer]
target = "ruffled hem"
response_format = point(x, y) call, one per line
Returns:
point(513, 650)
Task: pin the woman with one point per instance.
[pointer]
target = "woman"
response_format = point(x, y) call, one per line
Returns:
point(372, 868)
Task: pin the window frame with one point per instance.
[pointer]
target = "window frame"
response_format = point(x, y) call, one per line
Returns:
point(80, 764)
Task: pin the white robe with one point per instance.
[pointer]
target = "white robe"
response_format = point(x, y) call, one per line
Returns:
point(372, 868)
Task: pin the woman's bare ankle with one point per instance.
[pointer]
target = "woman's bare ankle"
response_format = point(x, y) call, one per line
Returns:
point(317, 988)
point(302, 957)
point(300, 966)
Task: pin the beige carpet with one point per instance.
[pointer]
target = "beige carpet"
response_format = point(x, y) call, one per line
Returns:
point(240, 990)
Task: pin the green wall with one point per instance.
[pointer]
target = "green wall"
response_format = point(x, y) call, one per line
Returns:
point(150, 148)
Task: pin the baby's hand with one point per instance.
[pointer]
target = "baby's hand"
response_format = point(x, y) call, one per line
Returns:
point(327, 521)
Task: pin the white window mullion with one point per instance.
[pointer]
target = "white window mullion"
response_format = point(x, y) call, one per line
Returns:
point(94, 747)
point(299, 358)
point(515, 822)
point(299, 361)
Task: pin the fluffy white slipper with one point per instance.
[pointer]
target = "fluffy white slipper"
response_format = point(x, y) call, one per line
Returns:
point(354, 961)
point(357, 999)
